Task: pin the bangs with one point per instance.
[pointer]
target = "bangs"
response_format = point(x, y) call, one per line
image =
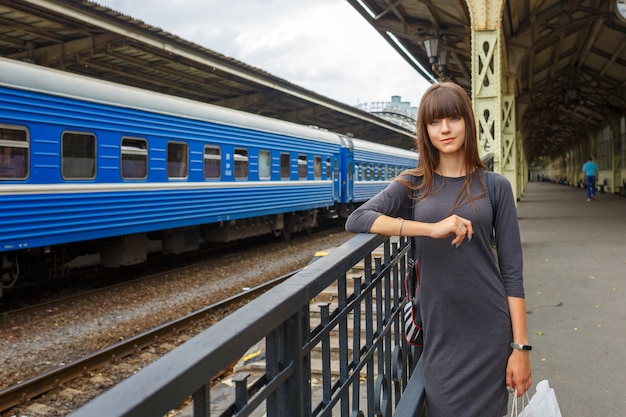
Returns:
point(440, 104)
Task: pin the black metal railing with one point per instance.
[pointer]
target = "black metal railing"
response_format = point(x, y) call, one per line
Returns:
point(345, 357)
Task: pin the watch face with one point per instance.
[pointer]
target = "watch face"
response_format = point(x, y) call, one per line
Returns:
point(621, 8)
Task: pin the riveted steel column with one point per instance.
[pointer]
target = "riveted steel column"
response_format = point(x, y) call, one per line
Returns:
point(616, 158)
point(522, 165)
point(512, 156)
point(495, 111)
point(486, 92)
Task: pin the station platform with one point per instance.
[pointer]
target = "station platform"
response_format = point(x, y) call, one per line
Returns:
point(575, 282)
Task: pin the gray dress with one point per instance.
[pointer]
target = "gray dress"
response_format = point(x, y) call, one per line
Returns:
point(467, 325)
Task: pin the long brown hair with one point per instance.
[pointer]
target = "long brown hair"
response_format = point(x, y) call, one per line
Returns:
point(441, 100)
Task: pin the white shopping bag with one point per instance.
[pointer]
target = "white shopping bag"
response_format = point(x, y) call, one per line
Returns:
point(543, 403)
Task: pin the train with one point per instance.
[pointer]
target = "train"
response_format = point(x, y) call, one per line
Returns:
point(97, 172)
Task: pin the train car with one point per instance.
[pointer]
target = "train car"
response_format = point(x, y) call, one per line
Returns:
point(96, 172)
point(374, 166)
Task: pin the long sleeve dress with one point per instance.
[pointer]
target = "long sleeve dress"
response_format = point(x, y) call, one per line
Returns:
point(464, 290)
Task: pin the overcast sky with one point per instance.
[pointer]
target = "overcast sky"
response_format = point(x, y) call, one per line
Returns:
point(322, 45)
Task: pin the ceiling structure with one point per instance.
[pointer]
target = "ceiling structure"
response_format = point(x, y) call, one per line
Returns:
point(567, 59)
point(84, 37)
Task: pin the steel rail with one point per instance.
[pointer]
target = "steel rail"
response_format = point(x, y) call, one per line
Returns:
point(36, 386)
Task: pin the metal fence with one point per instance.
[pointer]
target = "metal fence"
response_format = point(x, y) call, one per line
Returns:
point(343, 357)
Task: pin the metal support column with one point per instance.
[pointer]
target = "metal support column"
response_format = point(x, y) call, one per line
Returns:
point(495, 111)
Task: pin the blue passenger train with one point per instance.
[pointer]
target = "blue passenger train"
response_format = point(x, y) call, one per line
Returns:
point(89, 167)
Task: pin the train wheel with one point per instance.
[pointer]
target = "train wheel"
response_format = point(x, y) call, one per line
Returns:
point(286, 234)
point(10, 272)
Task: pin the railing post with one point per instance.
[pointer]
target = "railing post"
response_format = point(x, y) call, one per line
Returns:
point(241, 389)
point(283, 361)
point(326, 374)
point(356, 347)
point(369, 336)
point(202, 402)
point(343, 344)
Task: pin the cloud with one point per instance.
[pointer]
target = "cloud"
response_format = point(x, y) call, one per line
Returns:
point(322, 45)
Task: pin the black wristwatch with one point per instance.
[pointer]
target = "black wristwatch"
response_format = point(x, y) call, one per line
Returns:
point(521, 347)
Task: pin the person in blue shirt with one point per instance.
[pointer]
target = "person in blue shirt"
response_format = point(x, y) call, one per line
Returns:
point(590, 176)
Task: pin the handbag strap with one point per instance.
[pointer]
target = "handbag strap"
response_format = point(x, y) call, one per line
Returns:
point(412, 262)
point(491, 189)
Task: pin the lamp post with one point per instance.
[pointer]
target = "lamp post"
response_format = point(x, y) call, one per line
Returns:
point(443, 60)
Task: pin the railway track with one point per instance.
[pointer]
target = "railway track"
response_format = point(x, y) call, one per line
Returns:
point(36, 386)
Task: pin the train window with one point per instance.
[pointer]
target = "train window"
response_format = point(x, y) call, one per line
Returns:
point(335, 168)
point(302, 166)
point(357, 171)
point(285, 169)
point(327, 168)
point(78, 156)
point(134, 157)
point(380, 172)
point(317, 167)
point(364, 171)
point(177, 160)
point(212, 162)
point(265, 165)
point(241, 163)
point(350, 172)
point(14, 147)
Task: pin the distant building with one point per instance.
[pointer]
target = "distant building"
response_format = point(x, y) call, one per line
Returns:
point(395, 111)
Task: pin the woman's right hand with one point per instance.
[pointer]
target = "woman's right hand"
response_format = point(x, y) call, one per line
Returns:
point(453, 225)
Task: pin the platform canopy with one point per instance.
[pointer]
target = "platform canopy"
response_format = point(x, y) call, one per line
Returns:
point(84, 37)
point(566, 58)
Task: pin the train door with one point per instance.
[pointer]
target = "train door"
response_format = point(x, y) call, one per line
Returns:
point(336, 178)
point(347, 169)
point(350, 180)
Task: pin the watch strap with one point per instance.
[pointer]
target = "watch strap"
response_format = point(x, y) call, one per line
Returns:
point(521, 347)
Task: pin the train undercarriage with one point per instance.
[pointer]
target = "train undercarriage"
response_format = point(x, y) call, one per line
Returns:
point(58, 261)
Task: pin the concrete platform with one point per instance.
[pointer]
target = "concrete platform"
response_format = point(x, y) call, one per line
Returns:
point(575, 281)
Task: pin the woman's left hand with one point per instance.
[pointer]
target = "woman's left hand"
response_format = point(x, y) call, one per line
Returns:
point(453, 225)
point(518, 374)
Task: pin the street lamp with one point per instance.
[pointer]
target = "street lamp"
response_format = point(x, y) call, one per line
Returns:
point(432, 49)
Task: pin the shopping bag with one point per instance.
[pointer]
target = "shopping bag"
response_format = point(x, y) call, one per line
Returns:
point(543, 403)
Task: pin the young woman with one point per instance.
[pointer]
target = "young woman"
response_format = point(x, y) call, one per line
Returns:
point(472, 304)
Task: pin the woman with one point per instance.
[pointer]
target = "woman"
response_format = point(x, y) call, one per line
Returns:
point(472, 305)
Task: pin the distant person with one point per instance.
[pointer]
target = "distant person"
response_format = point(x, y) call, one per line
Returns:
point(472, 305)
point(590, 176)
